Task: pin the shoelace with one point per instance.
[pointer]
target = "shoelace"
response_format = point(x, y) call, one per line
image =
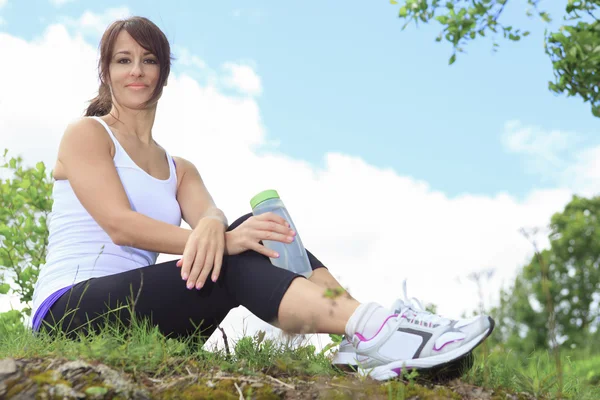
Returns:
point(417, 312)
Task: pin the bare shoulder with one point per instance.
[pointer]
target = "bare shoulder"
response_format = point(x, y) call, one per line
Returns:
point(183, 166)
point(86, 132)
point(87, 128)
point(81, 136)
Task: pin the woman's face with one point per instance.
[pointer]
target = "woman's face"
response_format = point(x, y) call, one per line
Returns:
point(134, 72)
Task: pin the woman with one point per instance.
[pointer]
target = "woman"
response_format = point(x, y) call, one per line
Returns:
point(119, 199)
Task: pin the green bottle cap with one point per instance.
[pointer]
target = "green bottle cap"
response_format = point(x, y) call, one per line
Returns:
point(262, 196)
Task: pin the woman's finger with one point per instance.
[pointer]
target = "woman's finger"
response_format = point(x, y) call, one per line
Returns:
point(269, 235)
point(274, 227)
point(271, 216)
point(197, 267)
point(207, 267)
point(216, 272)
point(263, 250)
point(188, 259)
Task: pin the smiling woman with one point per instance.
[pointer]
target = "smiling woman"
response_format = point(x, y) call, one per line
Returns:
point(119, 198)
point(117, 47)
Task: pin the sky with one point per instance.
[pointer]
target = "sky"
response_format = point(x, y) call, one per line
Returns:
point(393, 164)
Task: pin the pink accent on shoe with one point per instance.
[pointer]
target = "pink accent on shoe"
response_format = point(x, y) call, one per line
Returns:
point(444, 345)
point(363, 339)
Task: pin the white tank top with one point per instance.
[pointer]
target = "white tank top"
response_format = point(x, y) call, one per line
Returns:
point(79, 249)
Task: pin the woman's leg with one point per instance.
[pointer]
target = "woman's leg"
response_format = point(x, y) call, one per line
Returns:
point(305, 309)
point(157, 292)
point(323, 278)
point(385, 342)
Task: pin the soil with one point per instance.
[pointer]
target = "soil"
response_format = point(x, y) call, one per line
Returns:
point(65, 379)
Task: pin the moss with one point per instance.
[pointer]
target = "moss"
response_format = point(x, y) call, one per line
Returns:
point(16, 389)
point(264, 392)
point(49, 378)
point(194, 392)
point(10, 383)
point(222, 390)
point(501, 394)
point(424, 393)
point(349, 388)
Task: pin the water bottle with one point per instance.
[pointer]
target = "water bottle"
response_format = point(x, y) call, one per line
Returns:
point(292, 256)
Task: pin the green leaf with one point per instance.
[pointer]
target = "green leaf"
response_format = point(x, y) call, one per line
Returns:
point(452, 59)
point(403, 11)
point(96, 391)
point(4, 288)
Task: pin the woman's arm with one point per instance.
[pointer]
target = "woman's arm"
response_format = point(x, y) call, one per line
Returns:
point(193, 196)
point(84, 152)
point(195, 201)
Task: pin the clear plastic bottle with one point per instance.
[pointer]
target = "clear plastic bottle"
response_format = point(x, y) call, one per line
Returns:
point(292, 256)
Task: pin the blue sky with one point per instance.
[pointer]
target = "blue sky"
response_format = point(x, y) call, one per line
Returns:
point(343, 77)
point(335, 78)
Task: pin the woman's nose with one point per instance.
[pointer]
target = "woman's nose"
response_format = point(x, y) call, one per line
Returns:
point(136, 69)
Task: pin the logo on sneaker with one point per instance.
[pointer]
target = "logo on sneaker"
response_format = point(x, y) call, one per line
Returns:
point(416, 321)
point(424, 335)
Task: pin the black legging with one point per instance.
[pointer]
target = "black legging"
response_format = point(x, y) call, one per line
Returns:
point(247, 279)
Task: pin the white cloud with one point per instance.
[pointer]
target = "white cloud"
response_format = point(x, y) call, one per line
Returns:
point(96, 24)
point(243, 78)
point(546, 151)
point(59, 3)
point(557, 156)
point(584, 173)
point(3, 3)
point(186, 58)
point(369, 225)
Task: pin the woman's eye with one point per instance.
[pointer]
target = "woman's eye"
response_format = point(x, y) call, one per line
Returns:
point(147, 61)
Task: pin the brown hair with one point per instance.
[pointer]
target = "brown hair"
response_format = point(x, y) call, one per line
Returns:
point(151, 38)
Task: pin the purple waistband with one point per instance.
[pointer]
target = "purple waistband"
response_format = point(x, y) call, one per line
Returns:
point(45, 307)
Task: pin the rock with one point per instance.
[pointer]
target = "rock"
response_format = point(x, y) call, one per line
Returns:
point(63, 391)
point(8, 366)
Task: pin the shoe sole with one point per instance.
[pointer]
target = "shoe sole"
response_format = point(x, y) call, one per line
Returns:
point(394, 369)
point(345, 361)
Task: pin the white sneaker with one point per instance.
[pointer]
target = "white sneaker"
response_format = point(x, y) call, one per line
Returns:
point(412, 338)
point(345, 357)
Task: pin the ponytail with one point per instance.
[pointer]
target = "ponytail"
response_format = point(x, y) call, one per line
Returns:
point(101, 104)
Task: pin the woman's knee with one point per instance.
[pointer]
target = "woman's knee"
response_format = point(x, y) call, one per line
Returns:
point(239, 221)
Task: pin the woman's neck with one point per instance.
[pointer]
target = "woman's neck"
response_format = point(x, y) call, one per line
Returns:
point(137, 123)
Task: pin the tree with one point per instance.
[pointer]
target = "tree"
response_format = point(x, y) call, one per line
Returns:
point(574, 49)
point(572, 265)
point(25, 202)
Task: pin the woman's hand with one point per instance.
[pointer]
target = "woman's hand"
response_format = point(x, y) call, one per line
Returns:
point(267, 226)
point(203, 252)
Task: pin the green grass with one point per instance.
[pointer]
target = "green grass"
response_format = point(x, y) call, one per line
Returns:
point(142, 349)
point(536, 373)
